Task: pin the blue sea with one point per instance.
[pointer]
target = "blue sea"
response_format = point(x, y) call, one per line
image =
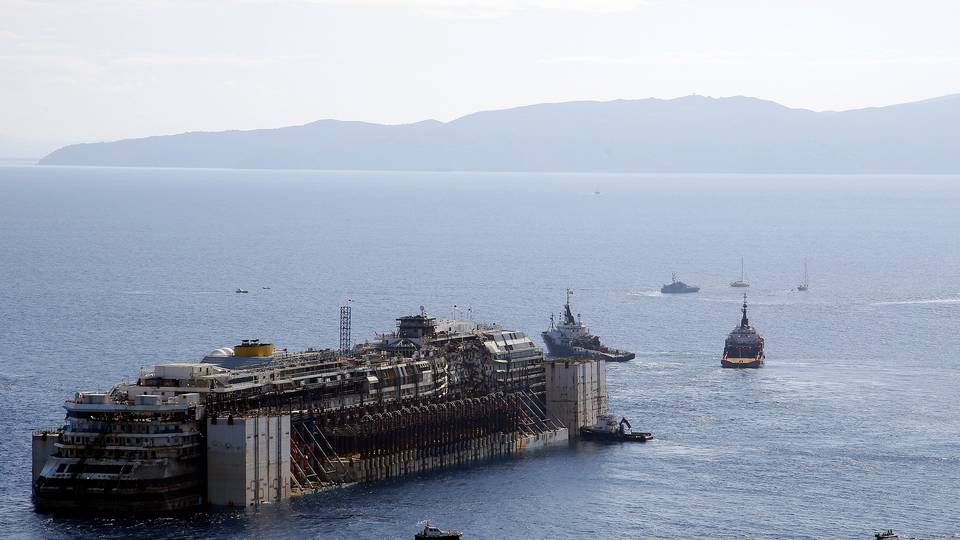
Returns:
point(852, 426)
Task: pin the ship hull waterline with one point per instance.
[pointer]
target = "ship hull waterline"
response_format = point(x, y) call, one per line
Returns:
point(589, 434)
point(742, 363)
point(689, 290)
point(557, 350)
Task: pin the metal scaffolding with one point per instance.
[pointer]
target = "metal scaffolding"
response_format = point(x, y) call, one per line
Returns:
point(345, 329)
point(378, 441)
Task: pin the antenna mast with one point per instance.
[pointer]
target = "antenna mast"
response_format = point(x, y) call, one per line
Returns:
point(345, 317)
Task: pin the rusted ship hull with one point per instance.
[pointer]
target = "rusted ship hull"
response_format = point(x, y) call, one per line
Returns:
point(738, 363)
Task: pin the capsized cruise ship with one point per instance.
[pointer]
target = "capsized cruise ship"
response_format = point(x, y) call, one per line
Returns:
point(140, 449)
point(570, 337)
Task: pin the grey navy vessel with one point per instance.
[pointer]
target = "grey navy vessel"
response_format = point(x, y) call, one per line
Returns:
point(676, 287)
point(570, 337)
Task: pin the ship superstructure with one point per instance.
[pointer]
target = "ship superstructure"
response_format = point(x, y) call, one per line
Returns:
point(490, 358)
point(482, 357)
point(117, 456)
point(410, 336)
point(744, 346)
point(571, 337)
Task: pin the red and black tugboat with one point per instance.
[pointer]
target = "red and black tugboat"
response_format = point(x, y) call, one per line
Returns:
point(744, 346)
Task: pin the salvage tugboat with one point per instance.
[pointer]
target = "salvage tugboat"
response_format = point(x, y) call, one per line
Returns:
point(744, 346)
point(429, 532)
point(573, 338)
point(608, 429)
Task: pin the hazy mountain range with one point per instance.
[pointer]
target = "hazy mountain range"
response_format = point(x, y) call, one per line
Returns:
point(689, 134)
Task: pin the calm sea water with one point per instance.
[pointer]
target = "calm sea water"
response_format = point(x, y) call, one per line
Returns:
point(853, 425)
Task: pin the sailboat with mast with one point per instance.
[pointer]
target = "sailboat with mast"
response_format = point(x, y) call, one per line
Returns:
point(742, 282)
point(805, 284)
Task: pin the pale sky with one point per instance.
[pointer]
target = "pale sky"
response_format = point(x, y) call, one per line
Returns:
point(91, 70)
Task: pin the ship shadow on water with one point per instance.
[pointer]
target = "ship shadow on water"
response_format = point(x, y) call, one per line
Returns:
point(228, 522)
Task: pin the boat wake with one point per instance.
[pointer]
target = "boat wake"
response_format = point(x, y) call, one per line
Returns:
point(657, 366)
point(953, 300)
point(674, 353)
point(141, 293)
point(645, 293)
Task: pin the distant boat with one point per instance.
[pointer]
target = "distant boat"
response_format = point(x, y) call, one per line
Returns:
point(742, 282)
point(744, 346)
point(429, 532)
point(607, 428)
point(805, 284)
point(241, 291)
point(573, 338)
point(677, 287)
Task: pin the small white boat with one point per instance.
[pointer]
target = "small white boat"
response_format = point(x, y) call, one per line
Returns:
point(241, 291)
